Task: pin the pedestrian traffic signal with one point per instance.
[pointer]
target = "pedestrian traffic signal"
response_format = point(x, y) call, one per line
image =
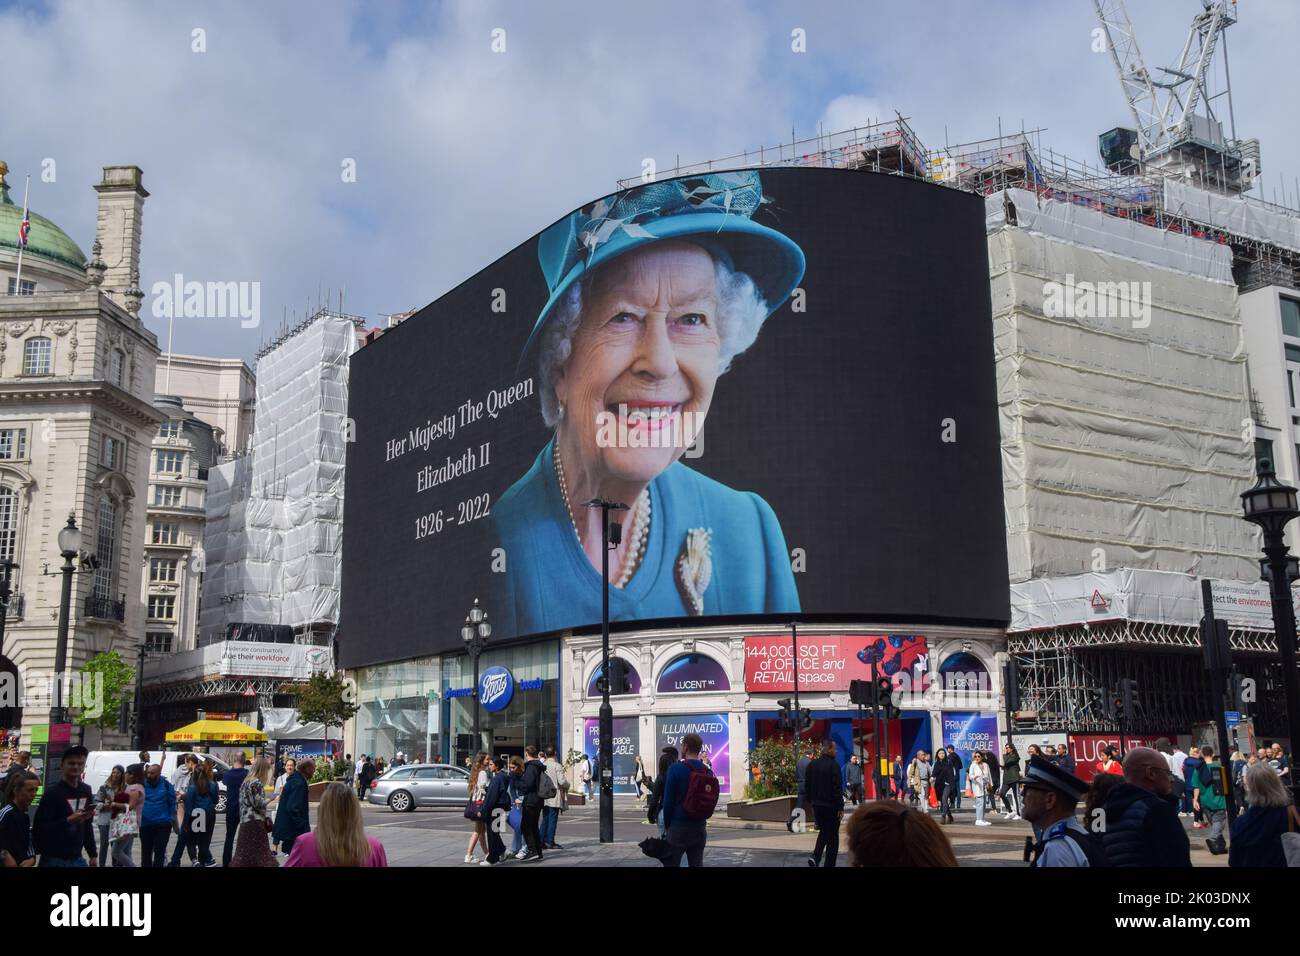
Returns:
point(885, 689)
point(619, 676)
point(805, 718)
point(1128, 698)
point(1115, 706)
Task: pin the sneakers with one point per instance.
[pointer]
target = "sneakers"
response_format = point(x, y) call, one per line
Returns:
point(1014, 816)
point(1217, 848)
point(812, 863)
point(983, 823)
point(521, 855)
point(487, 863)
point(1198, 826)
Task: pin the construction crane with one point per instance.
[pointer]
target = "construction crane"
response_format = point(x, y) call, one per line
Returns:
point(1177, 128)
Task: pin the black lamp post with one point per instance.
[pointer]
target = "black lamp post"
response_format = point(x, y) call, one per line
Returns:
point(475, 632)
point(1271, 504)
point(605, 758)
point(69, 548)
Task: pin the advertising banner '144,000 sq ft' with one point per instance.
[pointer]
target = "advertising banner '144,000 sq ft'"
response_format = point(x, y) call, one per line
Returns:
point(769, 369)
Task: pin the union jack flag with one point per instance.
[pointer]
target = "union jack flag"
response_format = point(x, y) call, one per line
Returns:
point(24, 228)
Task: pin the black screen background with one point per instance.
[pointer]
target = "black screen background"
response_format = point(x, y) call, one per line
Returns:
point(834, 416)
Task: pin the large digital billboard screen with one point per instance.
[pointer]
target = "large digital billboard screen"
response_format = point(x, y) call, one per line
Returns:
point(785, 375)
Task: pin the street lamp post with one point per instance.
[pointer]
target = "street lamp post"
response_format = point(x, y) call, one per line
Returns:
point(1271, 505)
point(69, 548)
point(605, 758)
point(475, 632)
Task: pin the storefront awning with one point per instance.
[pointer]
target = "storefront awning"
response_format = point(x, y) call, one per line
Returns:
point(215, 731)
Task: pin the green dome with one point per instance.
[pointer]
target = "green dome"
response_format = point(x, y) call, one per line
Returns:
point(45, 238)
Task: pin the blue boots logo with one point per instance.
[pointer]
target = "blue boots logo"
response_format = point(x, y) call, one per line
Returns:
point(495, 689)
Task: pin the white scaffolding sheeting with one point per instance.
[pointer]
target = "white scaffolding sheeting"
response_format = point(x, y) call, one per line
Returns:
point(1122, 435)
point(1120, 237)
point(285, 529)
point(1235, 214)
point(1132, 594)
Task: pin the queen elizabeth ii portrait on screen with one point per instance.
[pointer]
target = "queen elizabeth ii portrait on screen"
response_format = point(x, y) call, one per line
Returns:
point(653, 292)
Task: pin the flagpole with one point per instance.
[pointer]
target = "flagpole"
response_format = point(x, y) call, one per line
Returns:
point(18, 280)
point(171, 317)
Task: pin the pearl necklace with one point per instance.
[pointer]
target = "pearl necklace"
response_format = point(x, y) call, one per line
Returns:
point(637, 537)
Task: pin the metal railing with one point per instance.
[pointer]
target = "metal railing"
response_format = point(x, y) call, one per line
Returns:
point(106, 608)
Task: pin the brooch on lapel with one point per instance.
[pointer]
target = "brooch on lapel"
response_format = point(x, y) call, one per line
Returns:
point(695, 569)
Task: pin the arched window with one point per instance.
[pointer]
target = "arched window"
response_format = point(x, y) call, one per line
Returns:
point(105, 548)
point(8, 523)
point(692, 673)
point(37, 352)
point(630, 682)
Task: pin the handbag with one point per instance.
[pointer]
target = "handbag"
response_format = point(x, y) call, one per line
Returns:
point(473, 809)
point(515, 818)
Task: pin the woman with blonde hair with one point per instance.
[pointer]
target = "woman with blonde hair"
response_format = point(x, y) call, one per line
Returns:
point(340, 836)
point(479, 778)
point(251, 846)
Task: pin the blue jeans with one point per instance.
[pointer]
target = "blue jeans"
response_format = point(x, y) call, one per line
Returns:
point(517, 843)
point(662, 831)
point(979, 807)
point(59, 861)
point(550, 818)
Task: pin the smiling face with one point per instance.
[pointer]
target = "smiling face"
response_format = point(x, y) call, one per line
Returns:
point(644, 361)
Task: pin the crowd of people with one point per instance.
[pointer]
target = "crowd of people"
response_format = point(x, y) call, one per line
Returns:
point(1132, 813)
point(73, 827)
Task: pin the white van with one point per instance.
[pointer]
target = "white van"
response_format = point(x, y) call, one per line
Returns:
point(100, 763)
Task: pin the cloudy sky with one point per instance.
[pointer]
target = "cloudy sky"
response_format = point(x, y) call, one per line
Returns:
point(461, 152)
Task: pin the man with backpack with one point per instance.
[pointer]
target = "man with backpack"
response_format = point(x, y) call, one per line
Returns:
point(1208, 797)
point(690, 796)
point(1049, 796)
point(535, 790)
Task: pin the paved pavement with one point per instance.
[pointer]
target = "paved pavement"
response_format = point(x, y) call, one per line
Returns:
point(437, 837)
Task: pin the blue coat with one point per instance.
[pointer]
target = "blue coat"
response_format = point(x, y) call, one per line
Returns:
point(550, 584)
point(1143, 829)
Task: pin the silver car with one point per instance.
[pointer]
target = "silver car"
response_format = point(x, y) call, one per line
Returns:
point(420, 785)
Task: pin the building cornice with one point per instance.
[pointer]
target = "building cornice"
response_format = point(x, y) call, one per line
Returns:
point(54, 391)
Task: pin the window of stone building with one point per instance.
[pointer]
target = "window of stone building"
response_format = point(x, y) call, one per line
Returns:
point(105, 548)
point(162, 607)
point(37, 355)
point(8, 523)
point(13, 444)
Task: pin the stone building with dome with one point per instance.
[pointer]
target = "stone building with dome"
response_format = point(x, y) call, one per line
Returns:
point(77, 425)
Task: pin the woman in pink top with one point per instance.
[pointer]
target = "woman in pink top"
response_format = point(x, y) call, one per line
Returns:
point(340, 837)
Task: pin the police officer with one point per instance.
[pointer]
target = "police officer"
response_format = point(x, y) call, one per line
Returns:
point(1049, 796)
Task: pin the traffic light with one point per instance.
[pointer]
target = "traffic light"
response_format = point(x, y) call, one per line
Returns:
point(1128, 698)
point(1215, 645)
point(805, 718)
point(786, 720)
point(860, 692)
point(886, 690)
point(619, 682)
point(1011, 684)
point(1114, 706)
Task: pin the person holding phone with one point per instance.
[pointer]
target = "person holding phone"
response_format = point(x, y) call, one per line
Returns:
point(64, 825)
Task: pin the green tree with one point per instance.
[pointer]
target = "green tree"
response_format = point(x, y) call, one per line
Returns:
point(103, 684)
point(775, 760)
point(326, 698)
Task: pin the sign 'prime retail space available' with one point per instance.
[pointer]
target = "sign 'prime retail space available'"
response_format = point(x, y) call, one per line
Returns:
point(816, 371)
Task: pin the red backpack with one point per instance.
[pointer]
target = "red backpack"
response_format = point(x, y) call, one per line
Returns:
point(701, 794)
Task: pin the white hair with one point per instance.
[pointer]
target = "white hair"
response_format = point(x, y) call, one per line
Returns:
point(1264, 788)
point(741, 313)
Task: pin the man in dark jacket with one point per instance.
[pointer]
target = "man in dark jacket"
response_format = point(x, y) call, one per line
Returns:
point(855, 780)
point(1064, 760)
point(531, 808)
point(292, 818)
point(233, 779)
point(955, 763)
point(495, 809)
point(1142, 825)
point(826, 795)
point(944, 778)
point(655, 806)
point(63, 827)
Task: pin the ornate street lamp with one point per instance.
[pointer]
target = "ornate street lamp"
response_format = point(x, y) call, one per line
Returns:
point(475, 633)
point(69, 548)
point(1271, 505)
